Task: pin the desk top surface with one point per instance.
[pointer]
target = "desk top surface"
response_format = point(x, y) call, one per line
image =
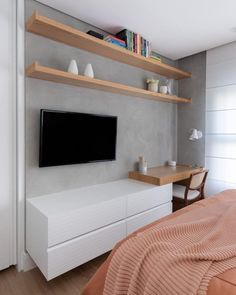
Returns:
point(164, 174)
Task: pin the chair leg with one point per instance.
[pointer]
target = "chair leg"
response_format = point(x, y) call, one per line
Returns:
point(202, 195)
point(177, 206)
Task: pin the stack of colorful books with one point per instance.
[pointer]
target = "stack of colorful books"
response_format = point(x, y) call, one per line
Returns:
point(155, 55)
point(115, 41)
point(135, 42)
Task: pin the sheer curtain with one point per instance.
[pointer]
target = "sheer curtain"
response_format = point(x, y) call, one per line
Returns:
point(221, 118)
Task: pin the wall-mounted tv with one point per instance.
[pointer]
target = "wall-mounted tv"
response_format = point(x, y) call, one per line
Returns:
point(73, 138)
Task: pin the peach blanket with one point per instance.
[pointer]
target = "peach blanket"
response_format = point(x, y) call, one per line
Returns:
point(177, 256)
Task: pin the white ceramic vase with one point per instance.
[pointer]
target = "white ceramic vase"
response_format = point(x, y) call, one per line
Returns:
point(170, 86)
point(142, 165)
point(163, 89)
point(73, 68)
point(88, 72)
point(153, 85)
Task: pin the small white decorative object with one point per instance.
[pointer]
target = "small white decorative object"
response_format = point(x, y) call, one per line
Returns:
point(152, 85)
point(88, 72)
point(195, 134)
point(172, 163)
point(142, 165)
point(73, 68)
point(163, 89)
point(170, 86)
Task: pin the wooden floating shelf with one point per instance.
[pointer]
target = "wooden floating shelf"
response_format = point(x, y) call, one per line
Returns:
point(45, 73)
point(57, 31)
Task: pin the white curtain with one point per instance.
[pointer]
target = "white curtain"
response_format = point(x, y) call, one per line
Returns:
point(221, 118)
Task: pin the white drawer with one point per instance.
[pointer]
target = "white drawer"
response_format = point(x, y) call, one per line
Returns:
point(142, 219)
point(68, 255)
point(59, 228)
point(67, 226)
point(148, 199)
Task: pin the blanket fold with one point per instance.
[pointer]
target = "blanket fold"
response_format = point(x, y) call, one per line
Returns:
point(177, 256)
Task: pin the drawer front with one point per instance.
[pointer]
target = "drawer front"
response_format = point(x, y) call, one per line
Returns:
point(68, 255)
point(142, 219)
point(64, 227)
point(148, 199)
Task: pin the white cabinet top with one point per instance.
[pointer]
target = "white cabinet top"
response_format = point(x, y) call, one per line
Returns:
point(62, 202)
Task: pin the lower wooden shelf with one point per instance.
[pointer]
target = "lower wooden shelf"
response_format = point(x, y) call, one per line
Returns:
point(45, 73)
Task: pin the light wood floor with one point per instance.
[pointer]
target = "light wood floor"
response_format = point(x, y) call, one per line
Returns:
point(34, 283)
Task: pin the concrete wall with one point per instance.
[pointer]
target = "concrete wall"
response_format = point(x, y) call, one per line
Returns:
point(192, 115)
point(144, 127)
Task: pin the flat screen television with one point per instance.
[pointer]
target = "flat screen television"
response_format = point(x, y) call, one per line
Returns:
point(73, 138)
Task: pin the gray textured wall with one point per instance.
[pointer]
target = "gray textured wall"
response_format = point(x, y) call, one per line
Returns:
point(144, 127)
point(192, 115)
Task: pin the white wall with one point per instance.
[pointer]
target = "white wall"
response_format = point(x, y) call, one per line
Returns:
point(221, 118)
point(7, 133)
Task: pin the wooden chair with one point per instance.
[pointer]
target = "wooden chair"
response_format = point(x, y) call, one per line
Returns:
point(192, 192)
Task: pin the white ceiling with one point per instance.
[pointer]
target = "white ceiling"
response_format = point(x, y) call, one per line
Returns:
point(176, 28)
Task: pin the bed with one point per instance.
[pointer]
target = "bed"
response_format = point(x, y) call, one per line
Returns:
point(221, 283)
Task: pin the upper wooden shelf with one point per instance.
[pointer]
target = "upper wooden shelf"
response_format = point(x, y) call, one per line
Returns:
point(45, 73)
point(57, 31)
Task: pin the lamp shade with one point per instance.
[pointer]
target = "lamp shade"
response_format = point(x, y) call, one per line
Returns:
point(195, 134)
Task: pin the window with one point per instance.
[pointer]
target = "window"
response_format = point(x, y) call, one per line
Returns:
point(221, 118)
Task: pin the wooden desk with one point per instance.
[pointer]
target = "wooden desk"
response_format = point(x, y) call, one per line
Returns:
point(164, 174)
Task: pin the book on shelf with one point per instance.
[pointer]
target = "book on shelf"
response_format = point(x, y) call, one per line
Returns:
point(116, 41)
point(135, 42)
point(95, 34)
point(108, 37)
point(155, 55)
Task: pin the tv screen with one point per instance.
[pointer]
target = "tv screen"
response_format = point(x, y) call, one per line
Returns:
point(72, 138)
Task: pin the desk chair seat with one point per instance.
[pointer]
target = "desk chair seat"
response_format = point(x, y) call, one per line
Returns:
point(179, 192)
point(192, 192)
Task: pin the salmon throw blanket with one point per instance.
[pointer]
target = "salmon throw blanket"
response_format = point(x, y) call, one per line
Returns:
point(177, 256)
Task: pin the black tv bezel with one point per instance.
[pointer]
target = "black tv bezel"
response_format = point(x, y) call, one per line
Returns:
point(69, 112)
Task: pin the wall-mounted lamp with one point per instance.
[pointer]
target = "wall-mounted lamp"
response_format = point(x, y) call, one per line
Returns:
point(195, 134)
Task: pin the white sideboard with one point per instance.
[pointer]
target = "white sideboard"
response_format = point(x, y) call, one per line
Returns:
point(67, 229)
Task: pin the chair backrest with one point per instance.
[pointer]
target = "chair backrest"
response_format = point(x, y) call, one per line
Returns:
point(197, 180)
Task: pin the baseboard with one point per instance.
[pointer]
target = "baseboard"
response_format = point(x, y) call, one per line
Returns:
point(27, 262)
